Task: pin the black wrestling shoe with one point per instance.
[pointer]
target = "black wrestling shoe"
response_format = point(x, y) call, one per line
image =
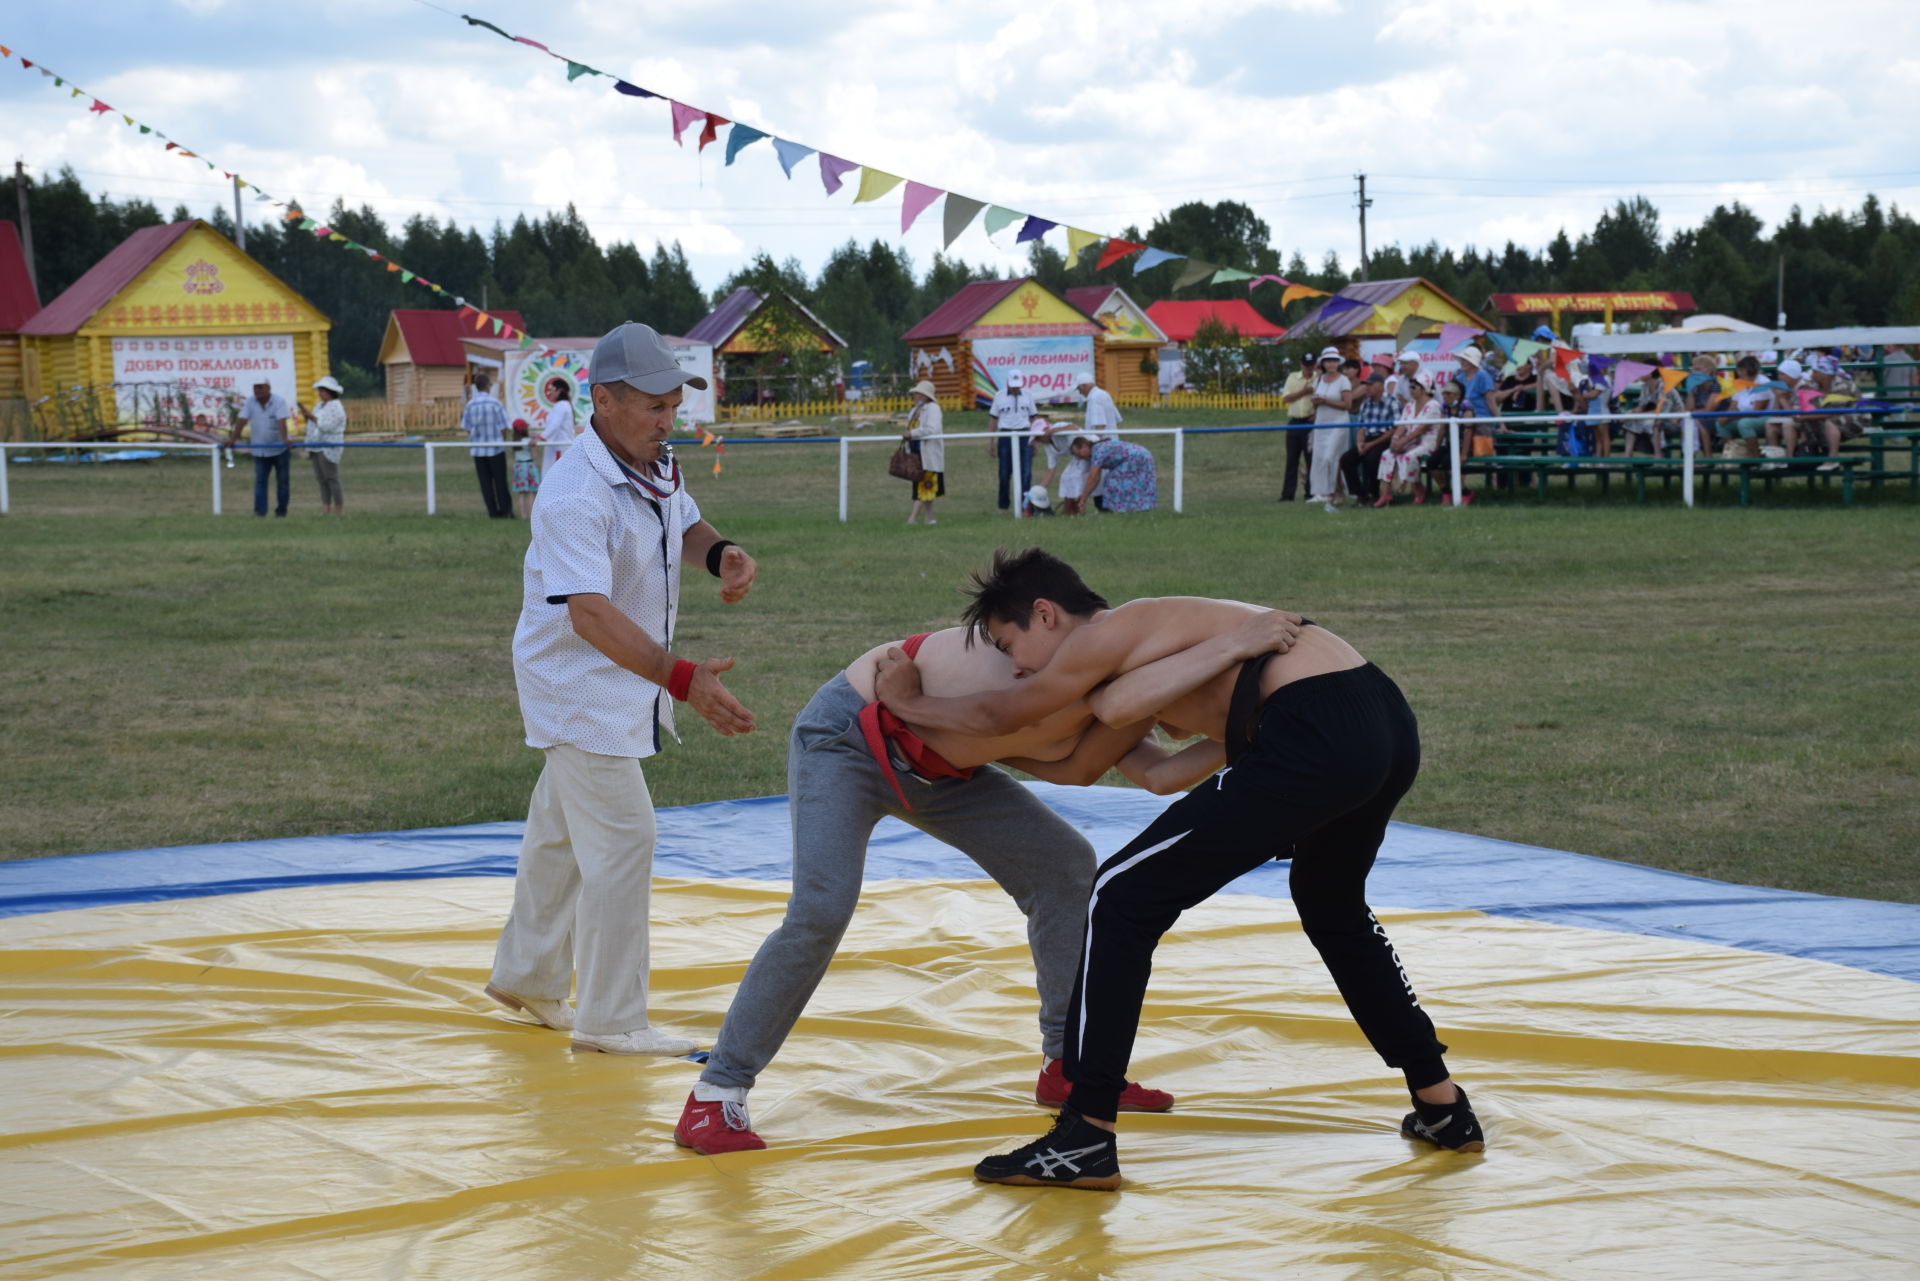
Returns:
point(1073, 1154)
point(1447, 1125)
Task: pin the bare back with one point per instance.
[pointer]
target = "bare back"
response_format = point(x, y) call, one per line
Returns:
point(1142, 631)
point(949, 668)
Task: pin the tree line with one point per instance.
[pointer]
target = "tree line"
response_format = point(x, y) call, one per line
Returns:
point(1841, 267)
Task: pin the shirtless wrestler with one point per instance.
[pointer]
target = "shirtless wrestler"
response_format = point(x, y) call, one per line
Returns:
point(1318, 747)
point(850, 762)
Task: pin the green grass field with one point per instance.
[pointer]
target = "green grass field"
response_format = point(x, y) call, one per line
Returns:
point(1725, 692)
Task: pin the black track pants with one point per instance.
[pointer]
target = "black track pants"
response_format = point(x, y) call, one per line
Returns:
point(1331, 757)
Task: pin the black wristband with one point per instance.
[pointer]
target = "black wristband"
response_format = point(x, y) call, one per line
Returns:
point(715, 552)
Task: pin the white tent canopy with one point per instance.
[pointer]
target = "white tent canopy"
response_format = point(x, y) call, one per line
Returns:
point(1749, 339)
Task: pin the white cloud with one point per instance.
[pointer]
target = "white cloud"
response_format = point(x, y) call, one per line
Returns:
point(1099, 113)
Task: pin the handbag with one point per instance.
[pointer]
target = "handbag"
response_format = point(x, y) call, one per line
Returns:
point(905, 464)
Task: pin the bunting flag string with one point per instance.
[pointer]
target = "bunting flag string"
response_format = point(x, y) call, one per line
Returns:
point(292, 213)
point(875, 183)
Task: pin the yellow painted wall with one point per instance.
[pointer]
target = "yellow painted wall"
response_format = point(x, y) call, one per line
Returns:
point(1419, 301)
point(1031, 305)
point(202, 286)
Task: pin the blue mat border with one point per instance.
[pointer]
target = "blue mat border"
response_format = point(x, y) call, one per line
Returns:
point(1419, 867)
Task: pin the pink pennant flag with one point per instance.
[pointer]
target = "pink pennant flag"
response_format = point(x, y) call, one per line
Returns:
point(833, 169)
point(1281, 281)
point(683, 115)
point(1629, 371)
point(99, 107)
point(1451, 336)
point(915, 202)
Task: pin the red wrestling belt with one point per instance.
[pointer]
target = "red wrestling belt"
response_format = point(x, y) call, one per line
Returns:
point(882, 728)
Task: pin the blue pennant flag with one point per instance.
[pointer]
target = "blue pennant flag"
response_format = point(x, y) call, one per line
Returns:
point(791, 154)
point(1152, 258)
point(741, 136)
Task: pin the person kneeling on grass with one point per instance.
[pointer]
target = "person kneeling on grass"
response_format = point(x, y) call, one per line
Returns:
point(1319, 746)
point(851, 763)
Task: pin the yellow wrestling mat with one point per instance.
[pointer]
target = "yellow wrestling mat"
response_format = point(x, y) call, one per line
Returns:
point(307, 1083)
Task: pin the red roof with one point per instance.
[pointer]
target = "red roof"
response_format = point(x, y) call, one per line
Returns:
point(952, 317)
point(433, 337)
point(1180, 320)
point(85, 296)
point(1087, 299)
point(18, 298)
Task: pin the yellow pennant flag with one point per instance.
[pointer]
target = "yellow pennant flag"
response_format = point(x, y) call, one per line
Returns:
point(1291, 292)
point(1739, 384)
point(875, 183)
point(1077, 242)
point(1673, 377)
point(127, 118)
point(337, 237)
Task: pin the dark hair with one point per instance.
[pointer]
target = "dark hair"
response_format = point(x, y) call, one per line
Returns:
point(564, 385)
point(1746, 363)
point(481, 382)
point(1015, 580)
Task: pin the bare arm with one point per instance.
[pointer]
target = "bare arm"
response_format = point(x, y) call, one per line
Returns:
point(597, 621)
point(1100, 749)
point(1139, 695)
point(1161, 772)
point(737, 569)
point(1079, 665)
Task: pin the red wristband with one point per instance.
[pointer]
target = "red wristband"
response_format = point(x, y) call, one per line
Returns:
point(681, 680)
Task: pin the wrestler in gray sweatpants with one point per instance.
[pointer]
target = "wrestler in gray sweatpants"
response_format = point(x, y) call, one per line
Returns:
point(837, 794)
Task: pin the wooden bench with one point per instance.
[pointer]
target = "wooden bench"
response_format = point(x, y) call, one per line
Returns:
point(1640, 466)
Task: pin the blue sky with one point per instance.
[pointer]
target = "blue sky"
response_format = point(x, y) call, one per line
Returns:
point(1475, 121)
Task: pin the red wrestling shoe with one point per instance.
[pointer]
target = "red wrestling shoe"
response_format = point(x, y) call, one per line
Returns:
point(715, 1128)
point(1052, 1089)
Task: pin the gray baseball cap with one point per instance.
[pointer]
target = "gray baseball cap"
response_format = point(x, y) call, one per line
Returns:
point(637, 356)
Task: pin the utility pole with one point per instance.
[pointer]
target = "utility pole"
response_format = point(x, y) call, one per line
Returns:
point(1364, 202)
point(26, 224)
point(1780, 296)
point(239, 219)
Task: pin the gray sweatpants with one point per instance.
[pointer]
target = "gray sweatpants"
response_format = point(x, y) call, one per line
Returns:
point(837, 794)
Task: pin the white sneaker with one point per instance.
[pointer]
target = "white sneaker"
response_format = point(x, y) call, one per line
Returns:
point(554, 1014)
point(1828, 467)
point(1329, 506)
point(645, 1040)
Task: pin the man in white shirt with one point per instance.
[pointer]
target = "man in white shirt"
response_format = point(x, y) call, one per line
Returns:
point(265, 416)
point(1102, 420)
point(597, 678)
point(1012, 412)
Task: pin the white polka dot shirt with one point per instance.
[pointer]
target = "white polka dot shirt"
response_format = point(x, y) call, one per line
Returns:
point(595, 531)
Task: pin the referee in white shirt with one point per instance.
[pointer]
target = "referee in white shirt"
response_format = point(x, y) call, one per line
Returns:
point(593, 660)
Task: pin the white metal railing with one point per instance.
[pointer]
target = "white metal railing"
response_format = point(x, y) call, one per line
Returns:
point(215, 452)
point(1688, 447)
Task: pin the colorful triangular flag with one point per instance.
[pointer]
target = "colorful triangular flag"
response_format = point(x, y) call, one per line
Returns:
point(741, 136)
point(683, 115)
point(633, 91)
point(914, 202)
point(1152, 258)
point(1451, 335)
point(791, 154)
point(712, 130)
point(1625, 373)
point(1078, 242)
point(1227, 275)
point(832, 170)
point(1116, 250)
point(1292, 292)
point(1672, 378)
point(577, 69)
point(999, 217)
point(959, 215)
point(874, 183)
point(1196, 270)
point(1033, 228)
point(1409, 329)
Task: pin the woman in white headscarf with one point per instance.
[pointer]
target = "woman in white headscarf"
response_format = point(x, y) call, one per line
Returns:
point(923, 426)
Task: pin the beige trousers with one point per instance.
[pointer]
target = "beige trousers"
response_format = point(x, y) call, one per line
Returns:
point(582, 891)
